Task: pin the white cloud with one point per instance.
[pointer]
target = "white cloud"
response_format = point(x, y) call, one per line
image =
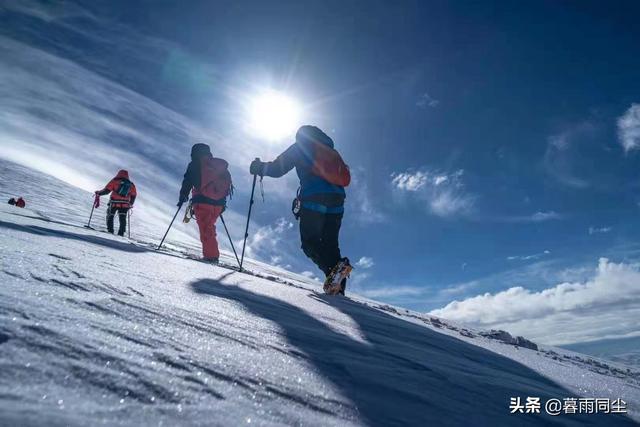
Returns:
point(457, 289)
point(539, 216)
point(358, 277)
point(528, 257)
point(443, 193)
point(426, 100)
point(391, 291)
point(599, 230)
point(410, 181)
point(440, 179)
point(544, 216)
point(366, 210)
point(629, 128)
point(604, 306)
point(365, 262)
point(311, 275)
point(266, 243)
point(449, 203)
point(50, 11)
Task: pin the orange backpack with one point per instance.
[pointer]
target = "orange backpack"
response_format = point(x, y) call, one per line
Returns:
point(328, 164)
point(215, 179)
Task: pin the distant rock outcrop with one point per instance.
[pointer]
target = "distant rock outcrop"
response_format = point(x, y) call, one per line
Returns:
point(507, 338)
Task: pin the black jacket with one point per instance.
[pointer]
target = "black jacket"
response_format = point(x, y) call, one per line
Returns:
point(190, 180)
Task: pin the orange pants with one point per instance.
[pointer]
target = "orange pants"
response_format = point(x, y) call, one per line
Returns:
point(206, 217)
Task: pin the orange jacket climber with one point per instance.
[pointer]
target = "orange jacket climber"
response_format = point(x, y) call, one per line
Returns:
point(123, 191)
point(209, 180)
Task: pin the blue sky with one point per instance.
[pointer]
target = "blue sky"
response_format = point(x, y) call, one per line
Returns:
point(493, 144)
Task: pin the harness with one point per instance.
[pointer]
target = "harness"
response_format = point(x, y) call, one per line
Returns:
point(115, 204)
point(318, 207)
point(298, 204)
point(199, 198)
point(119, 203)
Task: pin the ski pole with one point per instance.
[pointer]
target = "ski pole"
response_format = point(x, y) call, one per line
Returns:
point(165, 234)
point(129, 223)
point(246, 230)
point(230, 241)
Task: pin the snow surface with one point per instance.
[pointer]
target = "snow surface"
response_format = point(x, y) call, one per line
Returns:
point(96, 329)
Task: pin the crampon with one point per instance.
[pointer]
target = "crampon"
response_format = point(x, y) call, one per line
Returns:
point(337, 278)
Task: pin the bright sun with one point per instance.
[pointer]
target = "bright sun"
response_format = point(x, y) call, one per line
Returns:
point(273, 115)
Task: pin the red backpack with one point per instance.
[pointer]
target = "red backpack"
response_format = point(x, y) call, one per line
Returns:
point(215, 179)
point(328, 164)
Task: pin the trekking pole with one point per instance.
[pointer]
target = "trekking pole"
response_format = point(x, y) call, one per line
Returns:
point(246, 230)
point(165, 234)
point(129, 223)
point(230, 241)
point(93, 207)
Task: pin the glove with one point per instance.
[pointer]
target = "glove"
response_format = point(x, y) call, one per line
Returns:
point(257, 167)
point(182, 199)
point(179, 204)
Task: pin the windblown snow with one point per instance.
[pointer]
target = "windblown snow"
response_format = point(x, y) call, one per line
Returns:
point(96, 329)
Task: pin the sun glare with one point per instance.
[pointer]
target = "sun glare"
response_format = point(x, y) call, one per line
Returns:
point(273, 115)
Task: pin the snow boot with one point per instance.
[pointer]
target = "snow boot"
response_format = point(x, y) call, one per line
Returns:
point(211, 260)
point(336, 281)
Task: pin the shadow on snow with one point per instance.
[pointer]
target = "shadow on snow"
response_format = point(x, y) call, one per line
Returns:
point(408, 374)
point(96, 240)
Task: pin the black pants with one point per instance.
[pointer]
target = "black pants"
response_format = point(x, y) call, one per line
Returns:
point(319, 234)
point(122, 216)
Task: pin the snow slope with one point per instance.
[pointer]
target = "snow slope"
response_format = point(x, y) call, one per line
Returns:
point(96, 329)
